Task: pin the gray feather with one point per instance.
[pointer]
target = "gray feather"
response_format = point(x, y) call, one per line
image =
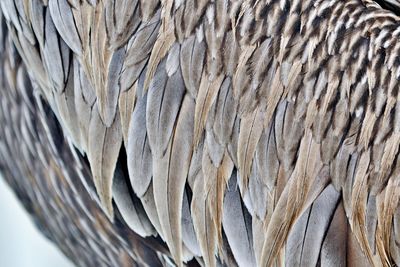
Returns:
point(237, 225)
point(63, 19)
point(163, 103)
point(307, 235)
point(130, 207)
point(188, 233)
point(138, 150)
point(192, 63)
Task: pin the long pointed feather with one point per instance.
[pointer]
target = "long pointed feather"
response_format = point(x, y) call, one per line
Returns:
point(104, 146)
point(170, 172)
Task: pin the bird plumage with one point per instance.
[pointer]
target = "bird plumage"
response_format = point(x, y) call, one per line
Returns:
point(251, 132)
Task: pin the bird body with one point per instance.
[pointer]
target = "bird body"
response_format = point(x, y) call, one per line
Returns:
point(249, 132)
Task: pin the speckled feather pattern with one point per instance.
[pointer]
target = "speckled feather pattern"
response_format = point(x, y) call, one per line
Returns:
point(210, 132)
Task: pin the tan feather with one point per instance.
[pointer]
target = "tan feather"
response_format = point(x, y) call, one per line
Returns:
point(358, 203)
point(122, 19)
point(216, 179)
point(84, 98)
point(258, 229)
point(277, 92)
point(148, 8)
point(388, 201)
point(191, 61)
point(160, 49)
point(126, 105)
point(240, 79)
point(367, 127)
point(208, 92)
point(203, 224)
point(288, 208)
point(249, 136)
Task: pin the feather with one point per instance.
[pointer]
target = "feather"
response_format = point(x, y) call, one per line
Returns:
point(138, 52)
point(141, 44)
point(214, 149)
point(193, 14)
point(37, 20)
point(170, 172)
point(149, 206)
point(163, 102)
point(54, 48)
point(391, 149)
point(367, 127)
point(258, 193)
point(260, 60)
point(203, 225)
point(139, 157)
point(233, 143)
point(249, 136)
point(188, 233)
point(130, 207)
point(333, 250)
point(394, 242)
point(307, 235)
point(107, 62)
point(258, 237)
point(104, 147)
point(215, 180)
point(225, 113)
point(387, 204)
point(192, 63)
point(276, 93)
point(122, 19)
point(196, 163)
point(67, 112)
point(358, 204)
point(160, 49)
point(148, 8)
point(208, 92)
point(287, 210)
point(237, 225)
point(241, 78)
point(355, 256)
point(84, 15)
point(267, 158)
point(9, 11)
point(297, 100)
point(108, 98)
point(231, 54)
point(126, 105)
point(84, 100)
point(64, 22)
point(172, 63)
point(371, 220)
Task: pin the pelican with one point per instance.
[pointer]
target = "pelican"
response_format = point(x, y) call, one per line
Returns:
point(205, 132)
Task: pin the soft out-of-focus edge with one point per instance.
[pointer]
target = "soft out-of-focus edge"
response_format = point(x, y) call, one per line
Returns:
point(21, 244)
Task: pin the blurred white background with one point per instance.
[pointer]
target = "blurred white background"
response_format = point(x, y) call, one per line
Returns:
point(21, 244)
